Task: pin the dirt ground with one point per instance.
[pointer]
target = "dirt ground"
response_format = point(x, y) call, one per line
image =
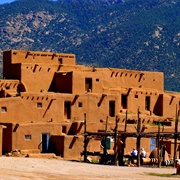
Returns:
point(21, 168)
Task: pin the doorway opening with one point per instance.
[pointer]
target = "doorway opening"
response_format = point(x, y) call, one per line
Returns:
point(88, 84)
point(67, 110)
point(111, 108)
point(124, 101)
point(45, 142)
point(147, 103)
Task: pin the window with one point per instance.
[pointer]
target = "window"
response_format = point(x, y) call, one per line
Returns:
point(111, 108)
point(60, 60)
point(27, 137)
point(80, 104)
point(136, 96)
point(3, 109)
point(39, 105)
point(152, 143)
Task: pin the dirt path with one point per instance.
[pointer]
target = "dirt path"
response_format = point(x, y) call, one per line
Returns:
point(13, 168)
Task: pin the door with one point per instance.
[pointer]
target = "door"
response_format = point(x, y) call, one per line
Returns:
point(45, 142)
point(67, 110)
point(88, 84)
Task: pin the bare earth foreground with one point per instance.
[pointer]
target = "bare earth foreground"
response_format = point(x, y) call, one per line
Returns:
point(22, 168)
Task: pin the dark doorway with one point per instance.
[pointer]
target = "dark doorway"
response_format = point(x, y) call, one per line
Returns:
point(88, 84)
point(124, 101)
point(147, 103)
point(111, 108)
point(67, 110)
point(158, 108)
point(45, 142)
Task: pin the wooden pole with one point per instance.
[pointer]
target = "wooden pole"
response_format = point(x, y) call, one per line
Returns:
point(124, 137)
point(105, 139)
point(115, 143)
point(158, 148)
point(138, 143)
point(85, 139)
point(175, 137)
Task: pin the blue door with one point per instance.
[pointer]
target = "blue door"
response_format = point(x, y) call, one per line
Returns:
point(45, 142)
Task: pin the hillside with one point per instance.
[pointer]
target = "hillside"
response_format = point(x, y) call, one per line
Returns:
point(131, 34)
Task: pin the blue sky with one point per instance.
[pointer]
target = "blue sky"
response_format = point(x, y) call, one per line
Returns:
point(5, 1)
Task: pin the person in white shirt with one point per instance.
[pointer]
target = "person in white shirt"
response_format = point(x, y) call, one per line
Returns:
point(143, 153)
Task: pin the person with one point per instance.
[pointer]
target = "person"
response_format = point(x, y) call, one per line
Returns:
point(134, 153)
point(142, 155)
point(120, 149)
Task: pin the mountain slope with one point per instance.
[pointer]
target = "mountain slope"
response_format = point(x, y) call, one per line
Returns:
point(131, 34)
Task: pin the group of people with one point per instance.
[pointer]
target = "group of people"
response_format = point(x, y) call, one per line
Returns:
point(134, 154)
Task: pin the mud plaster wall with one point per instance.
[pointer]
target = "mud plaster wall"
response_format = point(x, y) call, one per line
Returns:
point(170, 102)
point(73, 147)
point(35, 132)
point(36, 77)
point(79, 79)
point(20, 56)
point(137, 98)
point(125, 78)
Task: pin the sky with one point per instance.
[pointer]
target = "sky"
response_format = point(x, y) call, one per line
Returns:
point(5, 1)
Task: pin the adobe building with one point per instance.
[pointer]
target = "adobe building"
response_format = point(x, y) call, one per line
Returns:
point(44, 98)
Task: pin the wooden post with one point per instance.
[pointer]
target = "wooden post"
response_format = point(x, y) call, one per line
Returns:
point(124, 136)
point(158, 148)
point(175, 137)
point(85, 140)
point(138, 143)
point(105, 139)
point(115, 143)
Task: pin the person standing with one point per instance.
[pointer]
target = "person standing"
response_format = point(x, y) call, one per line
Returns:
point(120, 151)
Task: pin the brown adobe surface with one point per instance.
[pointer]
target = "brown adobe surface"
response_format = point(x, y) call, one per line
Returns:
point(21, 168)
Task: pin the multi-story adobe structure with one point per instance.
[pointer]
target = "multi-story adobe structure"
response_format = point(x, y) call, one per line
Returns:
point(44, 97)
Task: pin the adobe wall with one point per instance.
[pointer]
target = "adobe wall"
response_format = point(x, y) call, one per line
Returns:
point(35, 70)
point(9, 84)
point(171, 102)
point(73, 147)
point(37, 77)
point(80, 78)
point(49, 107)
point(113, 78)
point(34, 131)
point(33, 57)
point(1, 137)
